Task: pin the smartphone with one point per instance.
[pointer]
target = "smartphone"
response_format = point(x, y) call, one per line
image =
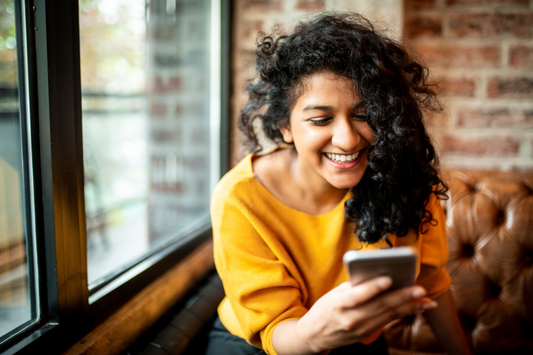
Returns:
point(398, 263)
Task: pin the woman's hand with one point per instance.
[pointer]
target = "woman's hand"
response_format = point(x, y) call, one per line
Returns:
point(348, 314)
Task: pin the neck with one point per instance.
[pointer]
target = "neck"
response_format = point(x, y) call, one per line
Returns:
point(313, 188)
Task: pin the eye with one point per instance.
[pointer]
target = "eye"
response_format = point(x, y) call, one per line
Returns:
point(359, 117)
point(320, 122)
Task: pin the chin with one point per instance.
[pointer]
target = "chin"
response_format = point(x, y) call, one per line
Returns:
point(344, 184)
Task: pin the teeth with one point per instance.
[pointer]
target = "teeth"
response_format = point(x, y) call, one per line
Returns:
point(343, 158)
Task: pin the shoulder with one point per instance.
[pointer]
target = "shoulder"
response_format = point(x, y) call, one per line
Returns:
point(434, 204)
point(237, 181)
point(270, 164)
point(273, 169)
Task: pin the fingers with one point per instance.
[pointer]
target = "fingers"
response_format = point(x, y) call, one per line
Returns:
point(404, 301)
point(377, 313)
point(366, 302)
point(350, 313)
point(416, 306)
point(380, 320)
point(398, 304)
point(366, 291)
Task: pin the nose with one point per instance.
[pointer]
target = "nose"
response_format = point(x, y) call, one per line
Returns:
point(345, 135)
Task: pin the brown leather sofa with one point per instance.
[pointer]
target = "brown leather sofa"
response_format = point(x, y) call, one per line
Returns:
point(490, 239)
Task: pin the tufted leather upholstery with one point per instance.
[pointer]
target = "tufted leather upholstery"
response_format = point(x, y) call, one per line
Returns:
point(489, 220)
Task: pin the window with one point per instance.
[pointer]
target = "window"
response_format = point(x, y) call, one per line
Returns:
point(145, 77)
point(18, 298)
point(111, 140)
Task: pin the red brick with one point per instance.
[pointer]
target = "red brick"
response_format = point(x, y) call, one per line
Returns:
point(485, 117)
point(172, 187)
point(160, 86)
point(311, 5)
point(158, 109)
point(164, 136)
point(250, 28)
point(246, 60)
point(487, 2)
point(423, 25)
point(510, 88)
point(445, 55)
point(436, 119)
point(490, 25)
point(419, 4)
point(262, 5)
point(492, 146)
point(457, 87)
point(521, 57)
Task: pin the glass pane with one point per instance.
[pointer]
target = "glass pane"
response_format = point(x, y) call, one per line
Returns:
point(145, 100)
point(15, 299)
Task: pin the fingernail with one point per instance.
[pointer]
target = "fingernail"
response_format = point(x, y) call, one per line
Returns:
point(385, 282)
point(430, 305)
point(419, 292)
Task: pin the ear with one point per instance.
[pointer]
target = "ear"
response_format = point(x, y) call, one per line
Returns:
point(287, 134)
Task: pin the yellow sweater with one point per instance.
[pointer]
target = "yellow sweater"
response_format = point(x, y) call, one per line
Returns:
point(276, 262)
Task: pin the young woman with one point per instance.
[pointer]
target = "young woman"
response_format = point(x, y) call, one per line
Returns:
point(359, 173)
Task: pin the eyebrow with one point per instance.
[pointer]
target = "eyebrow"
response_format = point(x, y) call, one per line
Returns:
point(321, 108)
point(330, 108)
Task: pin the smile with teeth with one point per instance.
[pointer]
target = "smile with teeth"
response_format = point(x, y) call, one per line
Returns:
point(341, 158)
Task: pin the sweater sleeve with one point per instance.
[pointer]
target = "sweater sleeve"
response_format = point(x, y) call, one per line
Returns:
point(259, 289)
point(434, 253)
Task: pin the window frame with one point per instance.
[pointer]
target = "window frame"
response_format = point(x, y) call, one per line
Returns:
point(51, 35)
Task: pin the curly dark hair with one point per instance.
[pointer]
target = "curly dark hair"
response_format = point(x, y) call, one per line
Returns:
point(395, 89)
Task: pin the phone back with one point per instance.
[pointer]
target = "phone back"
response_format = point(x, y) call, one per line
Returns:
point(398, 263)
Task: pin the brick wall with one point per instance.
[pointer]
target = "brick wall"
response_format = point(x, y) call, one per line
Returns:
point(482, 53)
point(178, 45)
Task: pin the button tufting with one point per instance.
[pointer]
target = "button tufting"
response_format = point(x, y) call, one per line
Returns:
point(468, 322)
point(500, 217)
point(474, 186)
point(528, 257)
point(410, 319)
point(471, 188)
point(468, 251)
point(494, 290)
point(528, 189)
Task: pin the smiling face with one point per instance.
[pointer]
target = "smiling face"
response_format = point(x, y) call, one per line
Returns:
point(329, 131)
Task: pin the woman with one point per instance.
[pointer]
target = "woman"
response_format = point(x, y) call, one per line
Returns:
point(359, 173)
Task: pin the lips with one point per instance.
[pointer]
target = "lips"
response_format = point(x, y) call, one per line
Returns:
point(345, 161)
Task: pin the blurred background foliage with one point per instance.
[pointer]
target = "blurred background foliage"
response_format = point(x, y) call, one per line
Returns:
point(112, 36)
point(8, 43)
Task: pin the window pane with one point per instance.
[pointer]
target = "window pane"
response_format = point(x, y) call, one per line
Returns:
point(15, 298)
point(145, 100)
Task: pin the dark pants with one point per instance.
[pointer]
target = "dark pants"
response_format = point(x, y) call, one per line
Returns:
point(222, 342)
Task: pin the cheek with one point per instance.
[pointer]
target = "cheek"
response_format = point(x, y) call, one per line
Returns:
point(309, 141)
point(365, 131)
point(369, 135)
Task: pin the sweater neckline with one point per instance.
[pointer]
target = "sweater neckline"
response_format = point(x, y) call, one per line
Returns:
point(267, 193)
